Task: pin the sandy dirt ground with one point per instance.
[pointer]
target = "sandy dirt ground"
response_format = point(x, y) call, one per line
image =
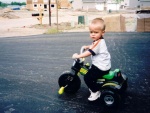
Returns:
point(22, 23)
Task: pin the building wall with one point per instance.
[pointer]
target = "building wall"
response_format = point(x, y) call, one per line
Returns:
point(115, 23)
point(87, 6)
point(136, 3)
point(143, 25)
point(29, 1)
point(113, 7)
point(39, 4)
point(145, 3)
point(29, 5)
point(100, 6)
point(64, 4)
point(77, 4)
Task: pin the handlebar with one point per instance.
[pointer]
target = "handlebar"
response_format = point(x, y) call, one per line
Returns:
point(81, 59)
point(82, 50)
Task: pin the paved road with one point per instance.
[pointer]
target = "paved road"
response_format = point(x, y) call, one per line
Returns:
point(30, 67)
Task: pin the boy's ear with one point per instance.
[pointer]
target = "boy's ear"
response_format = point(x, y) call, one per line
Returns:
point(103, 32)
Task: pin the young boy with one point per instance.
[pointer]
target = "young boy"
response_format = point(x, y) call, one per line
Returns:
point(101, 60)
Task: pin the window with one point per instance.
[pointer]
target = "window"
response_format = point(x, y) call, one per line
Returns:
point(52, 5)
point(35, 5)
point(45, 6)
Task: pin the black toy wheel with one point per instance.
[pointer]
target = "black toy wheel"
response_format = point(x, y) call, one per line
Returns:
point(124, 86)
point(110, 98)
point(73, 82)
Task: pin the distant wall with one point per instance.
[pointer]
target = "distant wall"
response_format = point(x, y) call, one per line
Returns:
point(77, 4)
point(115, 23)
point(143, 25)
point(29, 6)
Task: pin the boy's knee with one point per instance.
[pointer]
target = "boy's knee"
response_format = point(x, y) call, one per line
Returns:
point(87, 78)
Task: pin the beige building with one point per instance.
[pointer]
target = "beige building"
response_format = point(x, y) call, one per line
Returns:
point(44, 4)
point(39, 4)
point(64, 4)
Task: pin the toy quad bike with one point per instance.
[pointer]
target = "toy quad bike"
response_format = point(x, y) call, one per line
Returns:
point(110, 85)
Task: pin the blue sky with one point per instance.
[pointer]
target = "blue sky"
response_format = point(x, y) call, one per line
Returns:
point(9, 1)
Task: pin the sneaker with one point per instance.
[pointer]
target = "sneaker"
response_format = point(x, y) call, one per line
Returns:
point(94, 96)
point(91, 93)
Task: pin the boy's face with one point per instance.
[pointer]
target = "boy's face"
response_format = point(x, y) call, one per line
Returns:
point(95, 31)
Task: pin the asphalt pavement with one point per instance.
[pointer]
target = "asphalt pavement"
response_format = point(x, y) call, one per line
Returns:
point(31, 65)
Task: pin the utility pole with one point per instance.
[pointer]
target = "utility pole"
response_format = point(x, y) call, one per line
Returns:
point(57, 13)
point(49, 3)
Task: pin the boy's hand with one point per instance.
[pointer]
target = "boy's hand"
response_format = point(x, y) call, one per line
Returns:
point(75, 56)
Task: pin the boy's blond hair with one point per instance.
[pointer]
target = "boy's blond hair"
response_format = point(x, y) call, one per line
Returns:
point(99, 21)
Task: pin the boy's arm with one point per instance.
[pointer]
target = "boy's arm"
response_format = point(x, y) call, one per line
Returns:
point(82, 55)
point(86, 47)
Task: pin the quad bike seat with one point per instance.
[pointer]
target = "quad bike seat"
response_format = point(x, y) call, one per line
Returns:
point(111, 74)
